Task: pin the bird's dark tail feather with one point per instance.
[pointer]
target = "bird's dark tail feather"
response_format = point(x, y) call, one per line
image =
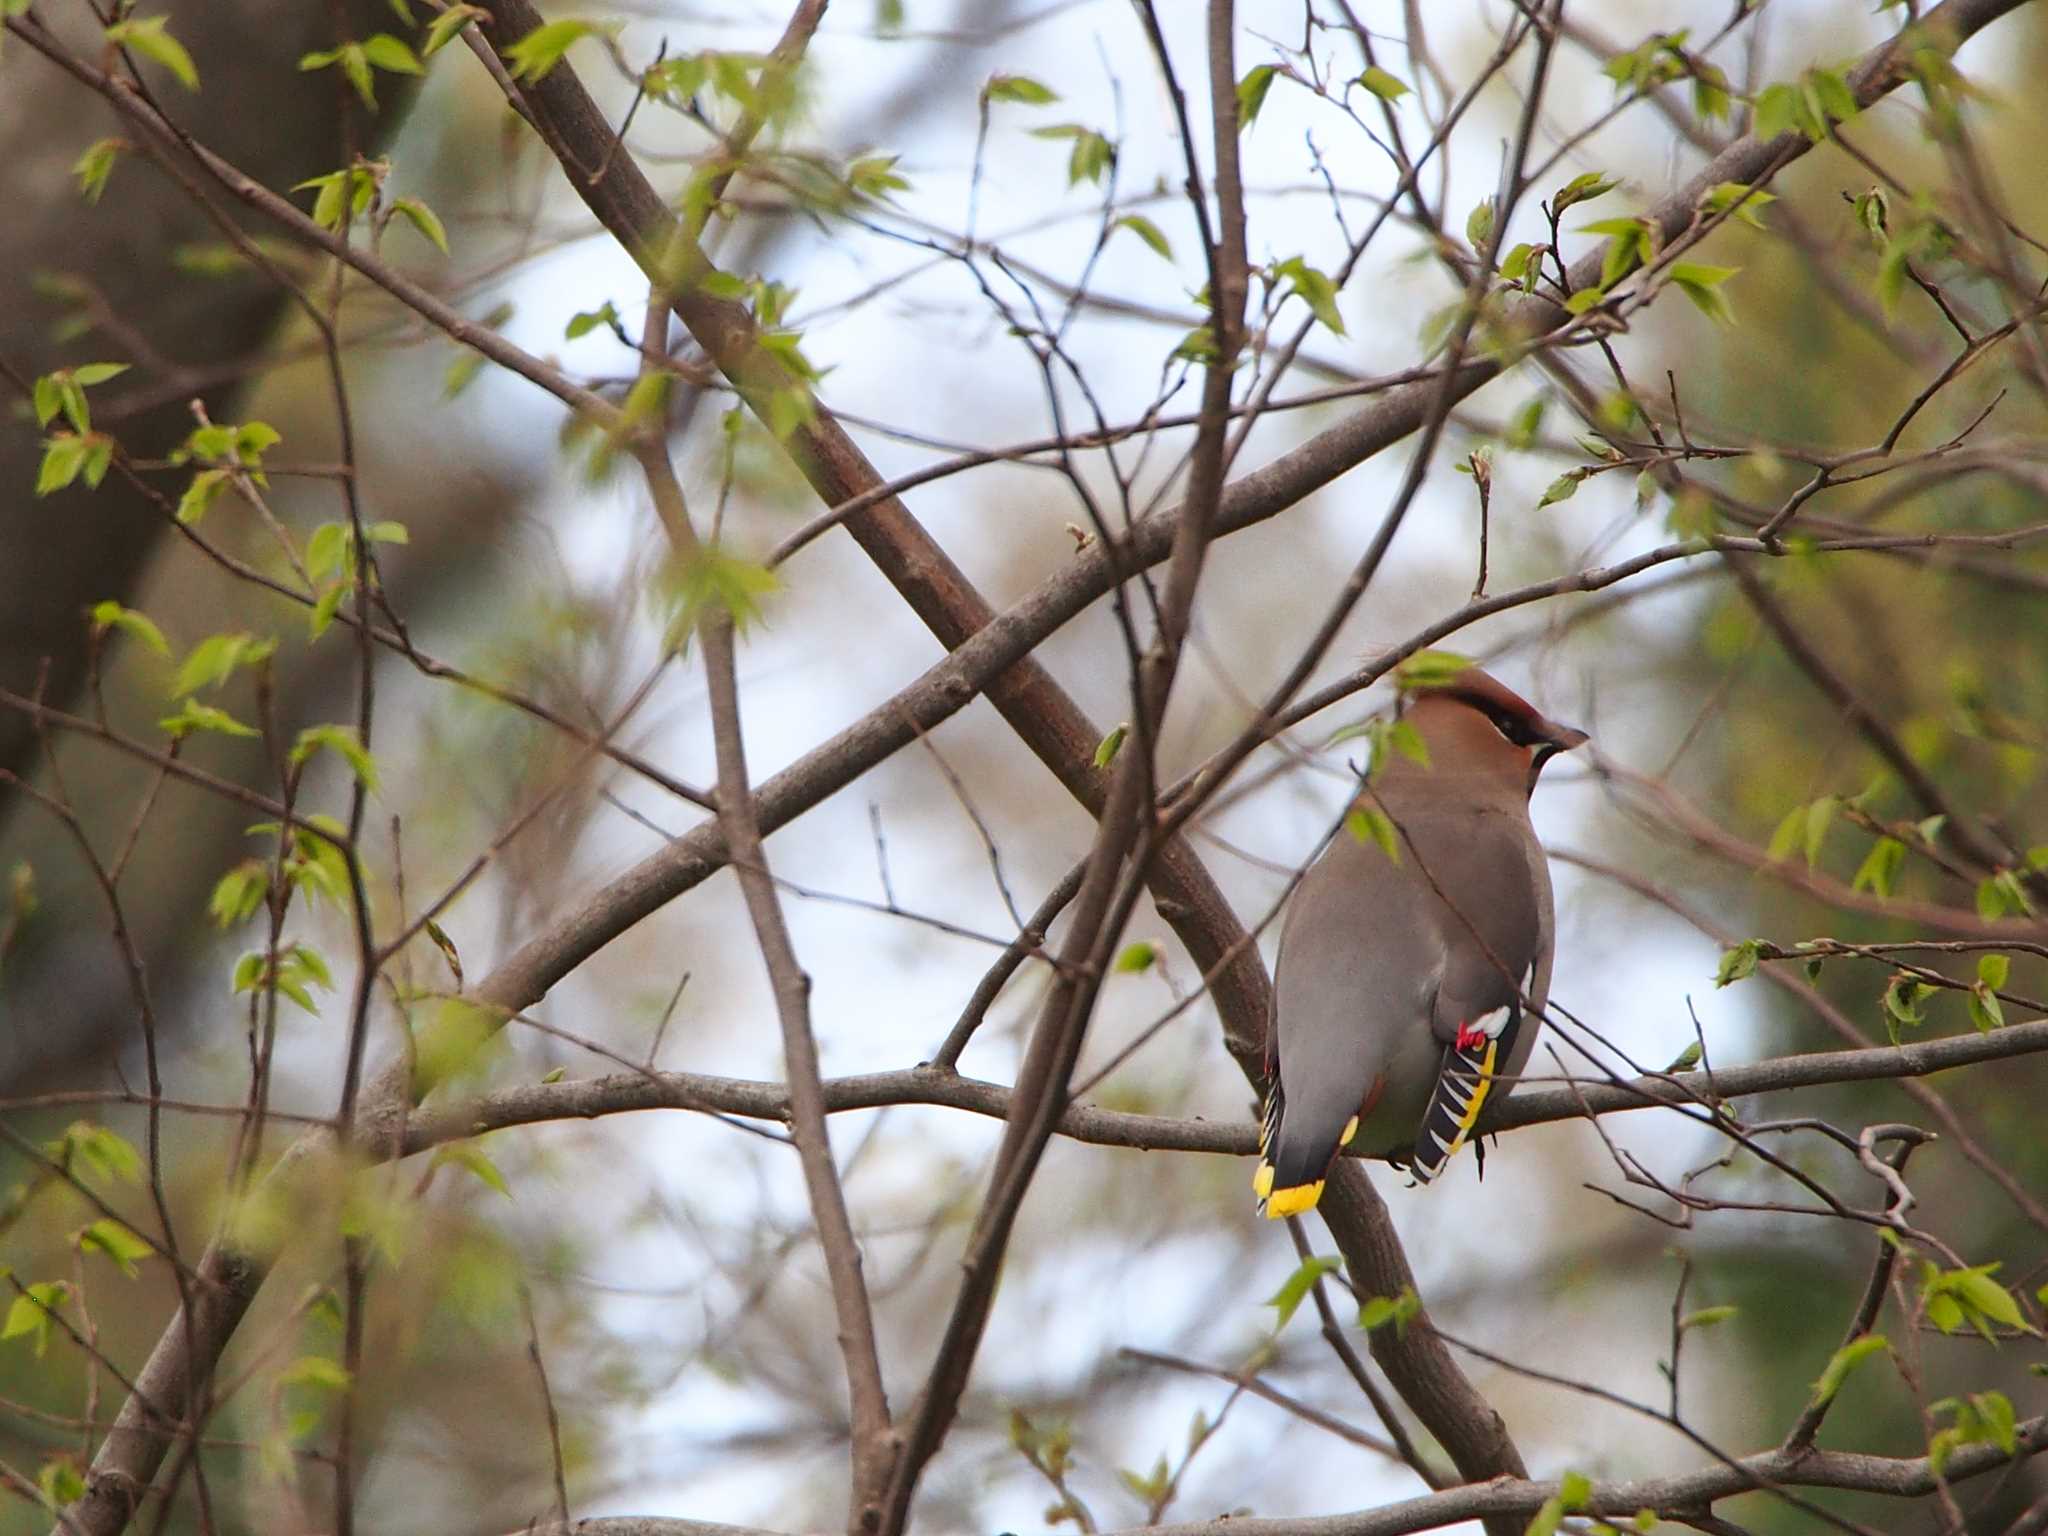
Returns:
point(1293, 1162)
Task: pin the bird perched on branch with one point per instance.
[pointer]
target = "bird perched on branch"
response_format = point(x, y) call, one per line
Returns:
point(1418, 944)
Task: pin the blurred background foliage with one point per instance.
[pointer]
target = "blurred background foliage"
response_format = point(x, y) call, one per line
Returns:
point(662, 1263)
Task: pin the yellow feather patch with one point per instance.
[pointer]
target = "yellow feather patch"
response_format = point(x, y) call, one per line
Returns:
point(1292, 1202)
point(1350, 1130)
point(1262, 1181)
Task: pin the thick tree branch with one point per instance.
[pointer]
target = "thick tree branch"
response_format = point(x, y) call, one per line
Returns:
point(1535, 1103)
point(1901, 1477)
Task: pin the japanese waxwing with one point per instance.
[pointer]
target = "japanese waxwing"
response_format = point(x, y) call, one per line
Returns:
point(1404, 978)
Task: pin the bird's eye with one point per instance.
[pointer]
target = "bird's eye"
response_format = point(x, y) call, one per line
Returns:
point(1514, 730)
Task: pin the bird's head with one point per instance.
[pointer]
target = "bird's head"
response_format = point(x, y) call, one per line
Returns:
point(1477, 724)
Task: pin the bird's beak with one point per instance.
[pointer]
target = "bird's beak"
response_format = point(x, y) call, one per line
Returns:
point(1557, 738)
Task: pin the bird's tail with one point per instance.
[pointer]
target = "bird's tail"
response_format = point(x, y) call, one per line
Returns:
point(1293, 1159)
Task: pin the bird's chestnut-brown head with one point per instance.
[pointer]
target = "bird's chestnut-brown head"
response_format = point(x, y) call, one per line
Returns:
point(1475, 724)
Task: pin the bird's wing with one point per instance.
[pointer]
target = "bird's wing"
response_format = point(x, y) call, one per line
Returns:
point(1496, 945)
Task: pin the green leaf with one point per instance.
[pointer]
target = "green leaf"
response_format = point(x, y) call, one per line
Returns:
point(1707, 1317)
point(63, 458)
point(876, 176)
point(1992, 971)
point(1369, 824)
point(109, 1155)
point(1526, 422)
point(94, 167)
point(536, 54)
point(606, 315)
point(1738, 963)
point(1407, 741)
point(1383, 85)
point(1138, 956)
point(1790, 831)
point(1146, 231)
point(342, 741)
point(1777, 110)
point(315, 1371)
point(1107, 749)
point(1879, 871)
point(201, 494)
point(1995, 1409)
point(29, 1315)
point(1479, 224)
point(1251, 93)
point(1549, 1515)
point(1843, 1361)
point(238, 893)
point(444, 28)
point(1582, 188)
point(1563, 488)
point(150, 37)
point(1819, 816)
point(1702, 284)
point(1430, 669)
point(111, 615)
point(391, 55)
point(1378, 1311)
point(1021, 89)
point(468, 1155)
point(215, 659)
point(1314, 288)
point(1294, 1290)
point(423, 219)
point(1686, 1059)
point(115, 1241)
point(1748, 202)
point(60, 1482)
point(195, 716)
point(1902, 1001)
point(1985, 1012)
point(1984, 1297)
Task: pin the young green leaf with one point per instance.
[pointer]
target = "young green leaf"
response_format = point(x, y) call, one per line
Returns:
point(1146, 231)
point(1707, 1317)
point(1137, 956)
point(1820, 816)
point(1702, 284)
point(111, 615)
point(119, 1244)
point(535, 55)
point(195, 716)
point(1582, 188)
point(423, 219)
point(94, 167)
point(1021, 89)
point(215, 659)
point(1879, 871)
point(1369, 824)
point(1251, 93)
point(344, 743)
point(1738, 963)
point(1430, 669)
point(1314, 288)
point(1107, 749)
point(1383, 85)
point(150, 37)
point(1294, 1290)
point(1378, 1311)
point(470, 1156)
point(1843, 1361)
